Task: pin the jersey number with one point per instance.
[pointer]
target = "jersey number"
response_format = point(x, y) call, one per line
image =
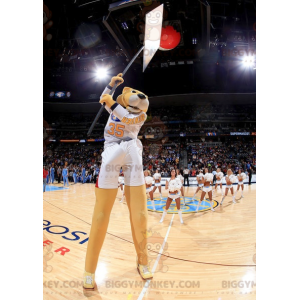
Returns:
point(116, 129)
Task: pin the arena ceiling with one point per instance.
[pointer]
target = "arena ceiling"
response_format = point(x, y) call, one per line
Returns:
point(216, 37)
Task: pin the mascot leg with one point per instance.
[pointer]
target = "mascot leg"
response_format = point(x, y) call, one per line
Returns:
point(105, 199)
point(137, 204)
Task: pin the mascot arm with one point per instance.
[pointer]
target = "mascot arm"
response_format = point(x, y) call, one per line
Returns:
point(106, 91)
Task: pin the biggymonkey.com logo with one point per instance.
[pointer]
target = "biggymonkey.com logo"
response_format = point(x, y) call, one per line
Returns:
point(240, 284)
point(153, 248)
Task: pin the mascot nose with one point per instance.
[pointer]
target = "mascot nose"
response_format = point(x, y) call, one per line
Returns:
point(141, 96)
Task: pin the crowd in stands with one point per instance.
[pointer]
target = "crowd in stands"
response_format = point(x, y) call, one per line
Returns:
point(184, 121)
point(233, 155)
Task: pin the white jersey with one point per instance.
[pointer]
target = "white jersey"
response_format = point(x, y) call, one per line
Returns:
point(121, 124)
point(121, 180)
point(157, 176)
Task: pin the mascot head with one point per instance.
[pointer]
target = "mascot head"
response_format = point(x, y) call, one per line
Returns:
point(133, 100)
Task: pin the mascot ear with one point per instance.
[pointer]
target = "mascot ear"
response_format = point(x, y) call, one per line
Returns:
point(126, 89)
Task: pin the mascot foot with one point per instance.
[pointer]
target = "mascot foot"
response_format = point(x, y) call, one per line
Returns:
point(88, 280)
point(144, 271)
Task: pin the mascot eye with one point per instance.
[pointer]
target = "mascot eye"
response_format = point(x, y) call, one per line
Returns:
point(157, 246)
point(158, 15)
point(148, 15)
point(133, 91)
point(149, 247)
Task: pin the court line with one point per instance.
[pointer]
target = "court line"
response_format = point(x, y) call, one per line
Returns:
point(147, 283)
point(192, 261)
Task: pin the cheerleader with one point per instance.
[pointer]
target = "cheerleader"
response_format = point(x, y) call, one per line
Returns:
point(207, 181)
point(230, 179)
point(121, 186)
point(157, 182)
point(174, 186)
point(241, 177)
point(148, 182)
point(200, 181)
point(180, 177)
point(75, 174)
point(219, 176)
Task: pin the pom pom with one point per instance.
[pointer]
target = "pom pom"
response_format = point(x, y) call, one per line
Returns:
point(200, 176)
point(220, 175)
point(232, 178)
point(173, 185)
point(208, 177)
point(149, 180)
point(243, 176)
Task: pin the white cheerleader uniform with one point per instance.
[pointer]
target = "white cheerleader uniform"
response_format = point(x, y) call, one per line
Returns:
point(176, 194)
point(220, 175)
point(122, 148)
point(232, 180)
point(200, 176)
point(208, 177)
point(180, 177)
point(243, 177)
point(149, 180)
point(157, 176)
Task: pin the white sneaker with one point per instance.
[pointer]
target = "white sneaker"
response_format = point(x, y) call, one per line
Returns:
point(122, 199)
point(242, 196)
point(153, 205)
point(233, 200)
point(222, 200)
point(163, 216)
point(180, 216)
point(212, 209)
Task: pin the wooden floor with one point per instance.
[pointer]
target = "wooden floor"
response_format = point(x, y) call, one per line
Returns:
point(211, 256)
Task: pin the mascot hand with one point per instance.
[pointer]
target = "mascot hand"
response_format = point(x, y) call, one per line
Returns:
point(109, 101)
point(116, 78)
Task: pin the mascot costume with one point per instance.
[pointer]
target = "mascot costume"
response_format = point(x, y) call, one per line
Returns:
point(121, 149)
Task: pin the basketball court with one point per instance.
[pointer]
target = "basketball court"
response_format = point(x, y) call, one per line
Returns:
point(211, 256)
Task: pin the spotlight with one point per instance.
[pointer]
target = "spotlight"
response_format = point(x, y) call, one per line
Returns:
point(101, 73)
point(248, 61)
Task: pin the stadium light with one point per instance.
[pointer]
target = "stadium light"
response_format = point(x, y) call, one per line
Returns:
point(248, 61)
point(101, 73)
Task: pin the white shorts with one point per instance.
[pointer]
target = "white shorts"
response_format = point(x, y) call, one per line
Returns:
point(128, 155)
point(207, 189)
point(149, 189)
point(219, 182)
point(228, 186)
point(240, 183)
point(200, 185)
point(174, 196)
point(158, 184)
